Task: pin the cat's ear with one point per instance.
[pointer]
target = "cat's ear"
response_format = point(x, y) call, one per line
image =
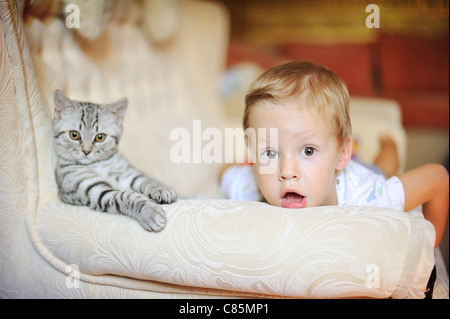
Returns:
point(118, 108)
point(62, 102)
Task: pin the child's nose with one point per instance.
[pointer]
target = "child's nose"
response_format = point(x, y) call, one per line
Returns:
point(288, 171)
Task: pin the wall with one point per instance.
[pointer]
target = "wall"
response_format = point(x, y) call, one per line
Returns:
point(268, 22)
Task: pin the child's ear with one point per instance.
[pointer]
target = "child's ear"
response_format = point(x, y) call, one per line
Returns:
point(345, 154)
point(249, 152)
point(249, 158)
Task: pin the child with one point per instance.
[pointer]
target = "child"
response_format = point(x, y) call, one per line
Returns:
point(302, 149)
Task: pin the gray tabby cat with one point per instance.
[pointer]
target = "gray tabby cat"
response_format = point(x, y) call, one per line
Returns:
point(91, 172)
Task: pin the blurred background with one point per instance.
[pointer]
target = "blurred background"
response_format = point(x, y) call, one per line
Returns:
point(406, 58)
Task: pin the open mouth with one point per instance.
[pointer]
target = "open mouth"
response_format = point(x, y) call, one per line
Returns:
point(293, 200)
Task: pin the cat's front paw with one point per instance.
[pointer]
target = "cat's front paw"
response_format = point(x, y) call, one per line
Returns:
point(152, 217)
point(163, 195)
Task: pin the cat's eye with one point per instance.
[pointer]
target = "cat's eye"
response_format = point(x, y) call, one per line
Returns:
point(74, 135)
point(100, 137)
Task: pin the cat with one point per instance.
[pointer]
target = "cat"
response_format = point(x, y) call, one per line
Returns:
point(91, 172)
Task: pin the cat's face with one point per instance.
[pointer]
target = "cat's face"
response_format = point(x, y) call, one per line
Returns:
point(87, 132)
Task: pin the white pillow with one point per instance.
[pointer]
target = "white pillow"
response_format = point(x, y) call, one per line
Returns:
point(243, 248)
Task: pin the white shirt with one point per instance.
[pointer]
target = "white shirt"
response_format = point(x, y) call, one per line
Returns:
point(357, 185)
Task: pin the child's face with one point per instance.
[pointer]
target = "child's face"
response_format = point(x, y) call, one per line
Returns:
point(296, 168)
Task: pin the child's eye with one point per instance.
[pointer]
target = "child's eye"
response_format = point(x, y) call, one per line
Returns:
point(100, 137)
point(74, 135)
point(309, 151)
point(270, 154)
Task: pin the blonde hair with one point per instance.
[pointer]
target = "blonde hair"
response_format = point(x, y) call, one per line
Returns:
point(318, 87)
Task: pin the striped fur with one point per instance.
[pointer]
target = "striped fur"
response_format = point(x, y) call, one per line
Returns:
point(91, 172)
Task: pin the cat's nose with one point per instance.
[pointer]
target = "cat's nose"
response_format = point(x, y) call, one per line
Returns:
point(86, 148)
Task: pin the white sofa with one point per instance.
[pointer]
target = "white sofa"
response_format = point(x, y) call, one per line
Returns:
point(210, 247)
